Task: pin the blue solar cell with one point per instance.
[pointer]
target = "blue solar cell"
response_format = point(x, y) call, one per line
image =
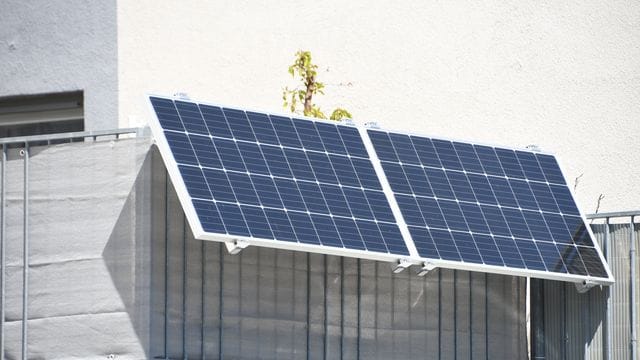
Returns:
point(221, 190)
point(191, 118)
point(276, 161)
point(167, 114)
point(502, 191)
point(410, 210)
point(517, 224)
point(290, 194)
point(194, 182)
point(424, 243)
point(530, 166)
point(262, 128)
point(445, 245)
point(209, 216)
point(207, 154)
point(530, 255)
point(216, 122)
point(418, 181)
point(349, 233)
point(280, 225)
point(404, 148)
point(544, 197)
point(242, 188)
point(537, 225)
point(488, 250)
point(482, 189)
point(239, 124)
point(453, 215)
point(303, 228)
point(335, 200)
point(495, 220)
point(257, 222)
point(578, 230)
point(397, 178)
point(573, 260)
point(509, 251)
point(474, 218)
point(564, 199)
point(286, 132)
point(447, 154)
point(466, 247)
point(366, 174)
point(489, 160)
point(439, 183)
point(524, 195)
point(371, 236)
point(344, 170)
point(181, 148)
point(393, 238)
point(330, 138)
point(267, 192)
point(233, 219)
point(358, 203)
point(461, 186)
point(468, 157)
point(326, 230)
point(510, 163)
point(313, 198)
point(229, 154)
point(551, 257)
point(308, 135)
point(352, 141)
point(426, 151)
point(299, 164)
point(322, 168)
point(551, 169)
point(380, 206)
point(253, 158)
point(384, 148)
point(592, 261)
point(431, 212)
point(558, 228)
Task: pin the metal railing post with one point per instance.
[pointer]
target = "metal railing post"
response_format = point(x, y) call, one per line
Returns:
point(2, 246)
point(25, 253)
point(632, 290)
point(607, 254)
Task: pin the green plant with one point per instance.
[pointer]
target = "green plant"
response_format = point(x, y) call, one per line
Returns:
point(306, 71)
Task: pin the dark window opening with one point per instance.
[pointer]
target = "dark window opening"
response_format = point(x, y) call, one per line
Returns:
point(41, 114)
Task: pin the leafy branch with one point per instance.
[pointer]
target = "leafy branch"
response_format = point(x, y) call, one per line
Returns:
point(306, 72)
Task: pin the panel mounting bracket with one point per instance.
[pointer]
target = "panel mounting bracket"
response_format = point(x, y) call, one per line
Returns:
point(400, 265)
point(426, 268)
point(236, 246)
point(584, 286)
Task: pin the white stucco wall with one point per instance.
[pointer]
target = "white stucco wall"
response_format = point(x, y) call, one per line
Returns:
point(62, 45)
point(563, 75)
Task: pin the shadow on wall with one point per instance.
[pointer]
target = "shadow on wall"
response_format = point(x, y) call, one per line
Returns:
point(127, 257)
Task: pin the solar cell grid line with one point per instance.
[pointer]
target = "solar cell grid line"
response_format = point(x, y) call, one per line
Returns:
point(516, 198)
point(275, 181)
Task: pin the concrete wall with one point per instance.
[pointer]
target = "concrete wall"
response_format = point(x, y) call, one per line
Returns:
point(62, 45)
point(114, 270)
point(563, 75)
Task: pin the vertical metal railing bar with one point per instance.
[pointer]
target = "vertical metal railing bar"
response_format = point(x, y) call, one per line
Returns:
point(486, 316)
point(440, 314)
point(455, 314)
point(607, 254)
point(220, 302)
point(202, 297)
point(632, 289)
point(359, 285)
point(184, 288)
point(166, 262)
point(324, 304)
point(470, 315)
point(25, 254)
point(308, 319)
point(2, 246)
point(341, 307)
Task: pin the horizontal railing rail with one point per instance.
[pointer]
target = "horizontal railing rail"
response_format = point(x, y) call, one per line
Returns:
point(70, 136)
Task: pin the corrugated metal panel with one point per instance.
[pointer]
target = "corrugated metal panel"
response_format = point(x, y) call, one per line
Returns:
point(292, 305)
point(575, 324)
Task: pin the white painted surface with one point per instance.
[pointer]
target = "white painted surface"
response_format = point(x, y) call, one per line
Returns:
point(61, 45)
point(565, 76)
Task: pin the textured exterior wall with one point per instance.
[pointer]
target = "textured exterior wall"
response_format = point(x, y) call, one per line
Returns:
point(576, 324)
point(114, 270)
point(563, 75)
point(62, 45)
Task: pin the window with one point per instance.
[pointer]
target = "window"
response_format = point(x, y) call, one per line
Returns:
point(41, 114)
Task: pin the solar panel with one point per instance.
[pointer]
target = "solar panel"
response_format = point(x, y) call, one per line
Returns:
point(277, 181)
point(336, 188)
point(489, 206)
